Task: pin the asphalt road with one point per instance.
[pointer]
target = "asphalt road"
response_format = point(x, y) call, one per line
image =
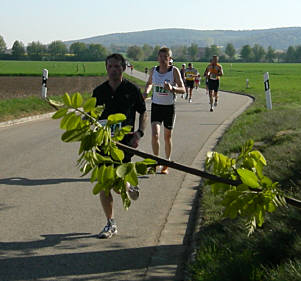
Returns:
point(49, 217)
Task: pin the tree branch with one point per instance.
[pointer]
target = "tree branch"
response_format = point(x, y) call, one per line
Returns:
point(291, 201)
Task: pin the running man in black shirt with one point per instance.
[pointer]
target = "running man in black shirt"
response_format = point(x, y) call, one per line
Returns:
point(120, 96)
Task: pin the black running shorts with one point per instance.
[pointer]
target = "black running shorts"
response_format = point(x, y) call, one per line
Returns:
point(163, 113)
point(213, 85)
point(190, 84)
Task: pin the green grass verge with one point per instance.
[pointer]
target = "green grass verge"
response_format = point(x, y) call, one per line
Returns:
point(274, 252)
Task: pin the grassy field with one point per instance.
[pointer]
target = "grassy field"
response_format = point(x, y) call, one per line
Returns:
point(34, 68)
point(274, 251)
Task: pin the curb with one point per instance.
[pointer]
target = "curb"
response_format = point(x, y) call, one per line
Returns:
point(26, 119)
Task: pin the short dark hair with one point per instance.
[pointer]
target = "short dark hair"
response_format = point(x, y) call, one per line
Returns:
point(118, 57)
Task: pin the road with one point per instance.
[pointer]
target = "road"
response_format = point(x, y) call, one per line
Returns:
point(49, 217)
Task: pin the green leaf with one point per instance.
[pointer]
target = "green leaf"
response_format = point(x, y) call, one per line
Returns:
point(67, 100)
point(258, 156)
point(99, 136)
point(72, 122)
point(60, 113)
point(89, 104)
point(94, 174)
point(149, 162)
point(73, 135)
point(100, 173)
point(132, 176)
point(248, 178)
point(64, 121)
point(123, 170)
point(55, 103)
point(117, 154)
point(116, 118)
point(97, 188)
point(141, 168)
point(76, 100)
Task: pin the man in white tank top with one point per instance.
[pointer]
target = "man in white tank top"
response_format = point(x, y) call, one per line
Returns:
point(166, 82)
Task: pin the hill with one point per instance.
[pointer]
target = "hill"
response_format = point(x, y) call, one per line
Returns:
point(278, 38)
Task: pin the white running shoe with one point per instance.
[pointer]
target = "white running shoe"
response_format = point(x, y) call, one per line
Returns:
point(109, 230)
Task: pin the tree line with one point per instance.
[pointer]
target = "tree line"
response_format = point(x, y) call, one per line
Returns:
point(56, 50)
point(247, 53)
point(79, 51)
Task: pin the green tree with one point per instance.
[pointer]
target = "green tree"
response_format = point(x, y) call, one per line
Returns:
point(258, 53)
point(213, 50)
point(298, 53)
point(18, 50)
point(2, 45)
point(270, 55)
point(96, 52)
point(147, 51)
point(135, 52)
point(57, 50)
point(246, 53)
point(154, 55)
point(291, 54)
point(230, 51)
point(36, 50)
point(78, 49)
point(193, 52)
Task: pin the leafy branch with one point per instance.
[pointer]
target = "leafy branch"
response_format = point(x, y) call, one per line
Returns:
point(243, 188)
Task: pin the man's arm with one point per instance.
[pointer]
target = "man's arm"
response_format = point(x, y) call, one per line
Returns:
point(149, 84)
point(221, 72)
point(180, 88)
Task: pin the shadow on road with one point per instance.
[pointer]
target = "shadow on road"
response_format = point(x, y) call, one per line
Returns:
point(34, 182)
point(108, 263)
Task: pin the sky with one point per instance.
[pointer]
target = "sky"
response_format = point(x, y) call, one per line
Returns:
point(47, 21)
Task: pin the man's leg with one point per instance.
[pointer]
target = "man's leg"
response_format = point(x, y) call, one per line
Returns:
point(168, 142)
point(168, 148)
point(215, 97)
point(190, 93)
point(107, 204)
point(155, 137)
point(211, 99)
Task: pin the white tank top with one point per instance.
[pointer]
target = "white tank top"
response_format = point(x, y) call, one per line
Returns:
point(160, 95)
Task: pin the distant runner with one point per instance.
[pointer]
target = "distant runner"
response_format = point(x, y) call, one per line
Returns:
point(197, 81)
point(190, 74)
point(182, 71)
point(166, 82)
point(213, 72)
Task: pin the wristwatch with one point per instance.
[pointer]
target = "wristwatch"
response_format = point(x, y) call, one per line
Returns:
point(140, 132)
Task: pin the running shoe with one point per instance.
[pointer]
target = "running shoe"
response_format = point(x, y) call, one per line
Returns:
point(190, 100)
point(211, 109)
point(186, 96)
point(164, 170)
point(109, 230)
point(182, 96)
point(215, 103)
point(133, 192)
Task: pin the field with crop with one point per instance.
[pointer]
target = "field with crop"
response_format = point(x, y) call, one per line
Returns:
point(55, 68)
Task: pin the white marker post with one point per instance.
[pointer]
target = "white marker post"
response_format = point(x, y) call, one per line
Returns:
point(44, 84)
point(267, 90)
point(247, 83)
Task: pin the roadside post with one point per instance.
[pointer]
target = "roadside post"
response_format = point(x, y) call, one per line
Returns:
point(268, 97)
point(247, 83)
point(44, 83)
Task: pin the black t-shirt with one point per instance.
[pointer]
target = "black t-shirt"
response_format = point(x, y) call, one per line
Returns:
point(127, 99)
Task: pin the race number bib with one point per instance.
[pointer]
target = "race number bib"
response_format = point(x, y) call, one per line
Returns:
point(114, 127)
point(213, 76)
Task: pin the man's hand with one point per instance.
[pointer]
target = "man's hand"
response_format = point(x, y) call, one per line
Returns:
point(134, 142)
point(167, 86)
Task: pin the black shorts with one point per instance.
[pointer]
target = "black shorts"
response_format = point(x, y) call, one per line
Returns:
point(163, 113)
point(190, 84)
point(213, 85)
